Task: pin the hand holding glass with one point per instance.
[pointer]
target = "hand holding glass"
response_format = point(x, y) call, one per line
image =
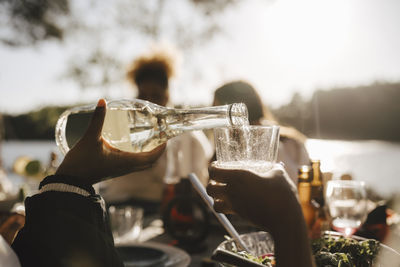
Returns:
point(347, 205)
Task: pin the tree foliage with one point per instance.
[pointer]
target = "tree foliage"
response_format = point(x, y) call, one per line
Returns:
point(35, 125)
point(26, 22)
point(188, 24)
point(97, 31)
point(364, 112)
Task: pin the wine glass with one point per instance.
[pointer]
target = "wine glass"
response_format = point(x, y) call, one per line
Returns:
point(347, 205)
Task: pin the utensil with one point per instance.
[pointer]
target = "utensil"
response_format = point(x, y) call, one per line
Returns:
point(221, 217)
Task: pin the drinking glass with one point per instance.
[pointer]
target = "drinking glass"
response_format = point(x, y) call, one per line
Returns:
point(347, 205)
point(253, 148)
point(126, 223)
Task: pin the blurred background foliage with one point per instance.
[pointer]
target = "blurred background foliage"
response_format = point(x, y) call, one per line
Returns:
point(350, 113)
point(29, 22)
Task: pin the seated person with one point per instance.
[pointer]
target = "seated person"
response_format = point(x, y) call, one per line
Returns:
point(189, 152)
point(292, 151)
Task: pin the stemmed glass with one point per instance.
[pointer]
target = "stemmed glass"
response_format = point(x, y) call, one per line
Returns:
point(347, 205)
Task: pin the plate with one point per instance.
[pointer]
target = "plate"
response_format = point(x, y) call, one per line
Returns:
point(141, 256)
point(165, 255)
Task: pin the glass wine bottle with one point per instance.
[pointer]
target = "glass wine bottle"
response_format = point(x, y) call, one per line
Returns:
point(304, 190)
point(317, 194)
point(138, 125)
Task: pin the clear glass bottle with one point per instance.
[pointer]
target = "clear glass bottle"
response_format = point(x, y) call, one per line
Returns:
point(138, 125)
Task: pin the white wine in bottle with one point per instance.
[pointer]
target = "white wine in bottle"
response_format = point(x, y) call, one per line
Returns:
point(138, 125)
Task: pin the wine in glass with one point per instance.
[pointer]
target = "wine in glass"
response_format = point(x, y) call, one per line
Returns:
point(347, 205)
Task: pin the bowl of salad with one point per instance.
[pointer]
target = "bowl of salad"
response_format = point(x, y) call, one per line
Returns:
point(260, 244)
point(331, 249)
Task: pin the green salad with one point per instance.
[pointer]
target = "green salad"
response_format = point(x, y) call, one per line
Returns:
point(266, 260)
point(331, 251)
point(344, 252)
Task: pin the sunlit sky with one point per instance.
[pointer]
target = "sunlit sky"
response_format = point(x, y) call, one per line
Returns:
point(281, 47)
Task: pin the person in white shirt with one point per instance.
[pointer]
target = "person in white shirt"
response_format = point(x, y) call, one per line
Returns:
point(189, 152)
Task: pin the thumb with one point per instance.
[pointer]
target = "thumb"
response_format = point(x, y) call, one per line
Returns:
point(96, 124)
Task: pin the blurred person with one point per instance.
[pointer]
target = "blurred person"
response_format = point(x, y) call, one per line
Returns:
point(292, 151)
point(189, 152)
point(243, 192)
point(66, 222)
point(10, 224)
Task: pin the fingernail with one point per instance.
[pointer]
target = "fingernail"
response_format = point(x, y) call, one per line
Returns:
point(101, 103)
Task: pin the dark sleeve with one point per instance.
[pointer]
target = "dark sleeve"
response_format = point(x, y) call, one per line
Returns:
point(65, 229)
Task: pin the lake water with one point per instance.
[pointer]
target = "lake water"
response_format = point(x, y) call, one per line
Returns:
point(376, 162)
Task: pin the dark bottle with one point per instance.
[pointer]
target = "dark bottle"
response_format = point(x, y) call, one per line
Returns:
point(185, 216)
point(317, 188)
point(321, 223)
point(304, 189)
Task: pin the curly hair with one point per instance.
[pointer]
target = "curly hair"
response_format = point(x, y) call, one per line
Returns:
point(158, 67)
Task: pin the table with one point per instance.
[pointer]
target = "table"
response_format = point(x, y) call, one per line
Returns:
point(201, 253)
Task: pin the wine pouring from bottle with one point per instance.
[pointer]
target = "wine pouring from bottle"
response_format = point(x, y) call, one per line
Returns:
point(138, 125)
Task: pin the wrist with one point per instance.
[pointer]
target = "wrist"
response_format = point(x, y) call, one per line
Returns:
point(292, 245)
point(66, 180)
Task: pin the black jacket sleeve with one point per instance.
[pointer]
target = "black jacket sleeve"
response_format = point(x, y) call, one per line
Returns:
point(65, 229)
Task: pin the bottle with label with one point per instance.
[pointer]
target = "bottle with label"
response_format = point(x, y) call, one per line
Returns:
point(185, 216)
point(138, 125)
point(304, 189)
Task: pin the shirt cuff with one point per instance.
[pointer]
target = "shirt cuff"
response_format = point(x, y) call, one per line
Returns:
point(64, 183)
point(60, 187)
